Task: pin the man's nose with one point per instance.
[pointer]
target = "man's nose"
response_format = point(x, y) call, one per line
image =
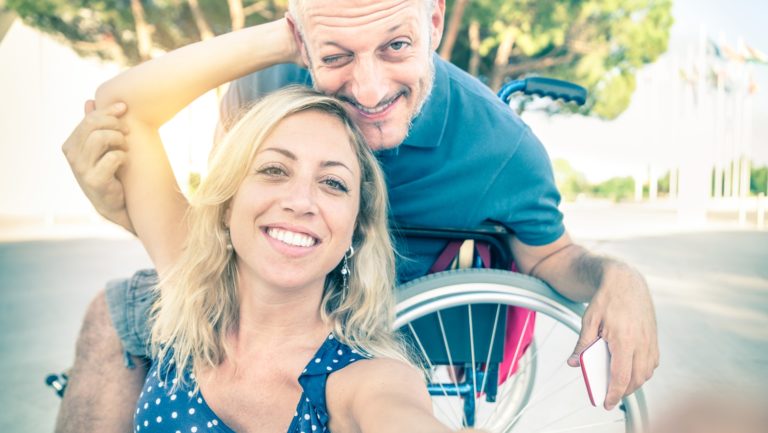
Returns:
point(370, 86)
point(300, 198)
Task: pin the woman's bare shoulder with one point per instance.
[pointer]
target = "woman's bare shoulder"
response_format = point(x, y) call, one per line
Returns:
point(372, 380)
point(378, 372)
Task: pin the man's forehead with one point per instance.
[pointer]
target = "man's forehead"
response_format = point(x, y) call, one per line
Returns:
point(364, 10)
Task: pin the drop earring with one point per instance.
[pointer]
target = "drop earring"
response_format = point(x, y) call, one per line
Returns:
point(230, 248)
point(345, 272)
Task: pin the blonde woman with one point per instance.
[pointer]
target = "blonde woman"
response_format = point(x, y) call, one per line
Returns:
point(275, 300)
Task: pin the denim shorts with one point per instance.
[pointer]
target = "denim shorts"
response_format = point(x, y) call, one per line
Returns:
point(129, 302)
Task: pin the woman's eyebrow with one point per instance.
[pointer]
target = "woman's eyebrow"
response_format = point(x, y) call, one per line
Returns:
point(336, 164)
point(290, 155)
point(287, 153)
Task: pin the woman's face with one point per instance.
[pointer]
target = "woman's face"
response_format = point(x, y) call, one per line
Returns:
point(293, 217)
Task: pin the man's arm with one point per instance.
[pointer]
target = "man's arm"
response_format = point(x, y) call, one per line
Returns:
point(620, 307)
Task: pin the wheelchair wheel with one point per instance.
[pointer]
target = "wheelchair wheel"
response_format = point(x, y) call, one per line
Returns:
point(543, 395)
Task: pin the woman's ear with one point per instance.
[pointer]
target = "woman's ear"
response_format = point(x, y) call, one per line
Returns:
point(227, 215)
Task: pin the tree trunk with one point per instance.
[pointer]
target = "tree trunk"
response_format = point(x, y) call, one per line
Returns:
point(143, 30)
point(550, 61)
point(202, 24)
point(236, 14)
point(452, 30)
point(106, 46)
point(474, 46)
point(502, 59)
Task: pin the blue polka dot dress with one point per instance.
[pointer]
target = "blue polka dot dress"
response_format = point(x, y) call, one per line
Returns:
point(185, 411)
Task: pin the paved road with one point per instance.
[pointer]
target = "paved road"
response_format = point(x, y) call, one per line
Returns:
point(710, 288)
point(45, 288)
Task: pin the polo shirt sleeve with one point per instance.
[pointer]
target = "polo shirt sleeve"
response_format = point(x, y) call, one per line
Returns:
point(524, 196)
point(243, 92)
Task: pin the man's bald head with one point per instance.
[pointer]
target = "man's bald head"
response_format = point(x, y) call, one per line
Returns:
point(297, 8)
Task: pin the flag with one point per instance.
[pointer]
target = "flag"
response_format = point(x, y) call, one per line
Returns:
point(753, 55)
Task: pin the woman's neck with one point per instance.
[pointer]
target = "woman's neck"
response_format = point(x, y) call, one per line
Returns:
point(276, 315)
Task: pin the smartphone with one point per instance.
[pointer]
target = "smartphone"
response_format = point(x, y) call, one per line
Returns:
point(596, 368)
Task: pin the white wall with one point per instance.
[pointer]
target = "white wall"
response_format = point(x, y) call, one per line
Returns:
point(43, 86)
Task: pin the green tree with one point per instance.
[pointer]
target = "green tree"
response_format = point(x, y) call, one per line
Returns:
point(129, 31)
point(599, 44)
point(758, 181)
point(664, 183)
point(570, 182)
point(616, 188)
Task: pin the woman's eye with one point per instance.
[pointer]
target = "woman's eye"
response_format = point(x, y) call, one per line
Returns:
point(336, 184)
point(272, 171)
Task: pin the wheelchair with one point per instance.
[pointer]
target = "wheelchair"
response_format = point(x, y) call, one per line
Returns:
point(456, 324)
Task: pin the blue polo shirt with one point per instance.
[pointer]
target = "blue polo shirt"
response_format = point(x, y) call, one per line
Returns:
point(467, 159)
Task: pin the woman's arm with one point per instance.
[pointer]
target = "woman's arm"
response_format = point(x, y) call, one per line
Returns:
point(154, 92)
point(381, 396)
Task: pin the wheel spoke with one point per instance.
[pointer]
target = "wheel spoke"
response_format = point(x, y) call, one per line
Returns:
point(432, 368)
point(451, 367)
point(474, 364)
point(512, 364)
point(533, 402)
point(490, 349)
point(519, 343)
point(567, 415)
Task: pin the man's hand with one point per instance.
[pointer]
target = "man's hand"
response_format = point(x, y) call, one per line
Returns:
point(95, 150)
point(622, 313)
point(620, 308)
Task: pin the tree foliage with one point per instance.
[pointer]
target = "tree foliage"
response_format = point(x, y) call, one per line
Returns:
point(113, 29)
point(599, 44)
point(570, 183)
point(758, 181)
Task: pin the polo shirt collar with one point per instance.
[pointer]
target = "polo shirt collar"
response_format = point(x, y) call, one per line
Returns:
point(428, 127)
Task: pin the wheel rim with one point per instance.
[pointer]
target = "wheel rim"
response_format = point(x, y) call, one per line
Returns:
point(561, 312)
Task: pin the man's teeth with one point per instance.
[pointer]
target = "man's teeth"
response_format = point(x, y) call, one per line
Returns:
point(375, 110)
point(291, 238)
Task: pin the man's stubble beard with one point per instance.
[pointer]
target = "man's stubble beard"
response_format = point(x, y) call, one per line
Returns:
point(426, 89)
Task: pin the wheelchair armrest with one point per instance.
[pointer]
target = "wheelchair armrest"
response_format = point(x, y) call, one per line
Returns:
point(495, 235)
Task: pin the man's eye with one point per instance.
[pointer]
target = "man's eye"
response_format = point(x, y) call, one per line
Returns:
point(334, 60)
point(336, 184)
point(398, 45)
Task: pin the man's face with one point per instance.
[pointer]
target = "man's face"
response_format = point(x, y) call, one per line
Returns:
point(375, 55)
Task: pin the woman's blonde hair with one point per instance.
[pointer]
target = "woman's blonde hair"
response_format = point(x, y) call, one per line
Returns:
point(198, 299)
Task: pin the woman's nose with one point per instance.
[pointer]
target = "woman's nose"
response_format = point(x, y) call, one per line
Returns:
point(300, 198)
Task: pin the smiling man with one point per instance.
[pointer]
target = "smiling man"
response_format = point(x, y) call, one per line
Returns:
point(453, 154)
point(373, 56)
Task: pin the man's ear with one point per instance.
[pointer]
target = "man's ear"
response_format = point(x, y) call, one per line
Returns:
point(298, 39)
point(437, 21)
